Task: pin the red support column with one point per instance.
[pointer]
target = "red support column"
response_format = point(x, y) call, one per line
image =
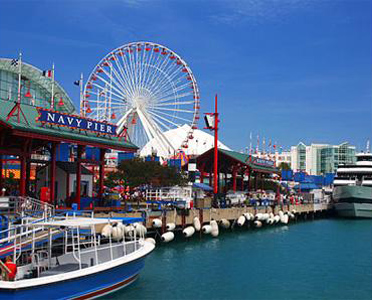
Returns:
point(242, 186)
point(22, 179)
point(256, 180)
point(202, 174)
point(53, 173)
point(225, 179)
point(215, 184)
point(249, 180)
point(234, 178)
point(262, 184)
point(101, 172)
point(28, 174)
point(78, 175)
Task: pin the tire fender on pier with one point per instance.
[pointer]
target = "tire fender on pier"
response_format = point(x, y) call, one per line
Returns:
point(129, 230)
point(188, 231)
point(106, 230)
point(116, 233)
point(225, 223)
point(157, 223)
point(259, 216)
point(197, 224)
point(170, 226)
point(241, 221)
point(265, 217)
point(207, 229)
point(284, 219)
point(214, 227)
point(167, 237)
point(247, 216)
point(270, 221)
point(140, 229)
point(257, 224)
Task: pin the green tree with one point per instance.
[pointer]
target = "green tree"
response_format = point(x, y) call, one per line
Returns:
point(284, 166)
point(137, 172)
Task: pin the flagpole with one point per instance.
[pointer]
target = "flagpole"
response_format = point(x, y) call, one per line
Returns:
point(19, 77)
point(250, 143)
point(52, 100)
point(81, 94)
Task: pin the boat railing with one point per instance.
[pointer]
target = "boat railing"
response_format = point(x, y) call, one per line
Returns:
point(78, 252)
point(28, 205)
point(171, 194)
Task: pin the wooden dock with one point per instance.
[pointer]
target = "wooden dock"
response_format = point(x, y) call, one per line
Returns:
point(183, 218)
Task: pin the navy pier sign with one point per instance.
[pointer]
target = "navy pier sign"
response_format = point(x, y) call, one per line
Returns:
point(60, 119)
point(263, 162)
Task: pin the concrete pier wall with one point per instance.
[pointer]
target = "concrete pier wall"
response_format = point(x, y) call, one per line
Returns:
point(185, 217)
point(206, 215)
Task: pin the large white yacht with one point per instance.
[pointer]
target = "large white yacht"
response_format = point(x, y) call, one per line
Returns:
point(352, 191)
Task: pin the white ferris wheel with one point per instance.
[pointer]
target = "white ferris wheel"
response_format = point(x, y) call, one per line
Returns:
point(146, 89)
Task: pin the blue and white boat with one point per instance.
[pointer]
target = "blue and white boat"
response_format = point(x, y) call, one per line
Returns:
point(91, 257)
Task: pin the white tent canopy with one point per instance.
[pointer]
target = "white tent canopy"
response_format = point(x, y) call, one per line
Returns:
point(201, 142)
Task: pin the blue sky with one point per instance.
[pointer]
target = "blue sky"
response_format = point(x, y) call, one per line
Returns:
point(289, 70)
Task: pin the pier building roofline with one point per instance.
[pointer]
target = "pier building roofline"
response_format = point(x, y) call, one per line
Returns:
point(29, 127)
point(229, 159)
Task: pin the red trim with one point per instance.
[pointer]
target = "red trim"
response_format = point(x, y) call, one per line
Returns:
point(22, 183)
point(7, 125)
point(53, 174)
point(101, 172)
point(108, 289)
point(80, 151)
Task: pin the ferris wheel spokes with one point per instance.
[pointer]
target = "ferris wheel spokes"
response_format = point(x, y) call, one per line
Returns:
point(147, 88)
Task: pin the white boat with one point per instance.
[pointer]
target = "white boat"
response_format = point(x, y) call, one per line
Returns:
point(352, 191)
point(75, 261)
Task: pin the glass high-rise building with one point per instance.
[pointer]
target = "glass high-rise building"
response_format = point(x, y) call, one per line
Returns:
point(318, 159)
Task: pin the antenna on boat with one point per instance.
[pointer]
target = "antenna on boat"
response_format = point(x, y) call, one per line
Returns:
point(367, 148)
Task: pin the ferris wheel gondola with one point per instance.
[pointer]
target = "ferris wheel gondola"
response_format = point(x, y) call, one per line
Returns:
point(146, 89)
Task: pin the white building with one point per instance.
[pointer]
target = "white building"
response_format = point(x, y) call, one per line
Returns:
point(278, 156)
point(66, 180)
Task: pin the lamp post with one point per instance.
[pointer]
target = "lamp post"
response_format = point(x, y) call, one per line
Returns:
point(211, 120)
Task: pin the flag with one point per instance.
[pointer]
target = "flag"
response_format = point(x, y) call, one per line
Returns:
point(270, 146)
point(77, 82)
point(47, 73)
point(14, 62)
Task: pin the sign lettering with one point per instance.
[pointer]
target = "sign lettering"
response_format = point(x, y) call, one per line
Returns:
point(263, 162)
point(71, 121)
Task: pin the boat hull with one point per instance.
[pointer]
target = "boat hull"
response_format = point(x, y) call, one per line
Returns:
point(354, 210)
point(353, 201)
point(85, 287)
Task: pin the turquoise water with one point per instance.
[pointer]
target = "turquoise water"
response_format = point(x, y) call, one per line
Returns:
point(321, 259)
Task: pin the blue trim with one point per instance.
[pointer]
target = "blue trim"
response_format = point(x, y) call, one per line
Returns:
point(202, 186)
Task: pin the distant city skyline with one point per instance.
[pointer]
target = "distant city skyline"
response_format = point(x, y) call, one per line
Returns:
point(290, 70)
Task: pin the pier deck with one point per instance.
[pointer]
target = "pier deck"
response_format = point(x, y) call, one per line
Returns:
point(185, 217)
